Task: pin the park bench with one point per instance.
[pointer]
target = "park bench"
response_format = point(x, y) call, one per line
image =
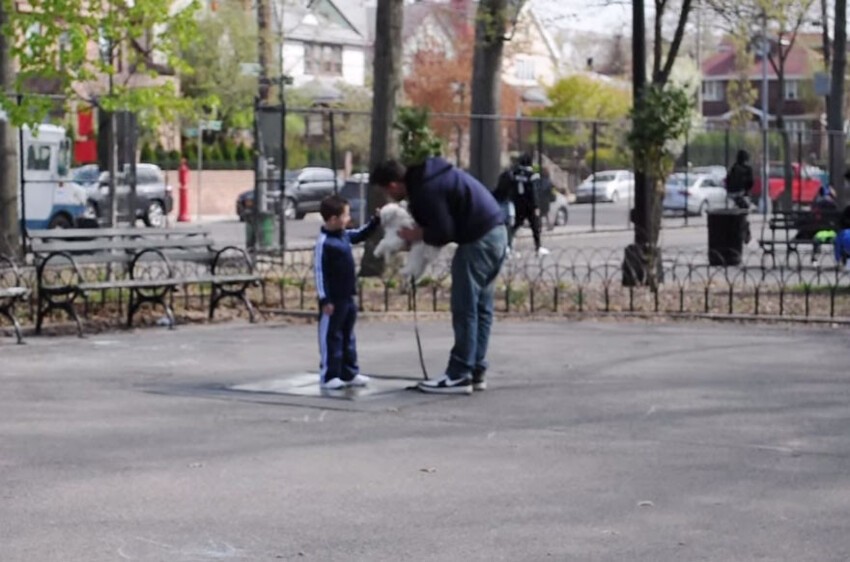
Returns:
point(151, 264)
point(794, 230)
point(12, 290)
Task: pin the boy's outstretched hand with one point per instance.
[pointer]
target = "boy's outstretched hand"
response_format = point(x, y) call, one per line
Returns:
point(328, 309)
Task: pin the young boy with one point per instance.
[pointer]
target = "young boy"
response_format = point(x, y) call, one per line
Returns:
point(336, 286)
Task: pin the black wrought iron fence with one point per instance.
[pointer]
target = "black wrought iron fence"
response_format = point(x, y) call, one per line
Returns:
point(565, 283)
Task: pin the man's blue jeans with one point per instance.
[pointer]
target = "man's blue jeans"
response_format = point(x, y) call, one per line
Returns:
point(474, 270)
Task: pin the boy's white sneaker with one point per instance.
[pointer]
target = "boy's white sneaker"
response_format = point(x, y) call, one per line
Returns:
point(333, 384)
point(358, 380)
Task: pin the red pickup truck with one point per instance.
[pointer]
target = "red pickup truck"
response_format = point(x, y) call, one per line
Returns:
point(804, 186)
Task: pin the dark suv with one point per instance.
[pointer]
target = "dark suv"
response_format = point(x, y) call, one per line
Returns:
point(153, 199)
point(303, 192)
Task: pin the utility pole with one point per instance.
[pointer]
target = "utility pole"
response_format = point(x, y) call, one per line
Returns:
point(9, 231)
point(642, 190)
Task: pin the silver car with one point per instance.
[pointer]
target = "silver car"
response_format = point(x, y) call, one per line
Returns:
point(695, 194)
point(612, 186)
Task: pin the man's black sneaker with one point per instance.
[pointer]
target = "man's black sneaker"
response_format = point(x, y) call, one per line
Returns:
point(445, 385)
point(478, 380)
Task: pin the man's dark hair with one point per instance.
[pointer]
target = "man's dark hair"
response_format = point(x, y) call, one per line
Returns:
point(332, 206)
point(386, 172)
point(525, 160)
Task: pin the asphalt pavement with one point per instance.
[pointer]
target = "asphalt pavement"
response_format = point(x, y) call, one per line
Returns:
point(604, 441)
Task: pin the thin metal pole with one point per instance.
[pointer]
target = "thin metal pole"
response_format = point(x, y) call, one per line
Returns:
point(333, 149)
point(22, 182)
point(593, 171)
point(765, 178)
point(200, 169)
point(687, 170)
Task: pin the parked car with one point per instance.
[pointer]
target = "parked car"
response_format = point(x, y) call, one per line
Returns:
point(304, 190)
point(694, 194)
point(717, 173)
point(354, 189)
point(86, 175)
point(559, 211)
point(612, 186)
point(806, 182)
point(153, 199)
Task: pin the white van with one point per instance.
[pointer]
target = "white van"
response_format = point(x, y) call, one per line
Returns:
point(49, 198)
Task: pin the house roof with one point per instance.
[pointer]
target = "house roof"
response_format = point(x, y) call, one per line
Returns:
point(302, 24)
point(799, 64)
point(352, 12)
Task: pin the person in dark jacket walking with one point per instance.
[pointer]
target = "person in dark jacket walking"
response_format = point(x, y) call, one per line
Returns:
point(739, 180)
point(521, 186)
point(450, 205)
point(336, 285)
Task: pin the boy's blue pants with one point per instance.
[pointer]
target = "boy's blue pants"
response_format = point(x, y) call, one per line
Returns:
point(337, 344)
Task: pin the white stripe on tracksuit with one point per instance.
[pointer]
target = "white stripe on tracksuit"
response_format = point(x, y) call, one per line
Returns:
point(324, 319)
point(324, 324)
point(317, 266)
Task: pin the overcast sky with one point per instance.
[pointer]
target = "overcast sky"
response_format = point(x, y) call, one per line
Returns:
point(592, 15)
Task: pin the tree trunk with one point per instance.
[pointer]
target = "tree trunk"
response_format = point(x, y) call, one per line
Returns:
point(386, 88)
point(835, 118)
point(9, 221)
point(485, 146)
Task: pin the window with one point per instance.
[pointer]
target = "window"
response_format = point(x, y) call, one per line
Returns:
point(713, 90)
point(38, 157)
point(798, 129)
point(525, 69)
point(792, 90)
point(321, 59)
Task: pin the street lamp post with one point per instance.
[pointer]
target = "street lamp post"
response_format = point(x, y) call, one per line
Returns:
point(765, 178)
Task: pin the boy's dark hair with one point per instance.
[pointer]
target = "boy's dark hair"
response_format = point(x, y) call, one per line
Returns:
point(386, 172)
point(332, 206)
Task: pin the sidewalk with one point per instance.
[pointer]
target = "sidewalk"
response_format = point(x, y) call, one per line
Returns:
point(597, 441)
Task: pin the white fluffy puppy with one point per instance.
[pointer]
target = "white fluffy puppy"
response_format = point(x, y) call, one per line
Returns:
point(394, 217)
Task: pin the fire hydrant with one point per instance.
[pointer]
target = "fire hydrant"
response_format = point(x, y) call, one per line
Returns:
point(183, 180)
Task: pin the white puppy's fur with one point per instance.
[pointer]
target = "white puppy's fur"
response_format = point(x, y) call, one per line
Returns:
point(394, 217)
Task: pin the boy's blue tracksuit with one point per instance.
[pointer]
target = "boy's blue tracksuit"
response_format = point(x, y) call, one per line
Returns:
point(336, 284)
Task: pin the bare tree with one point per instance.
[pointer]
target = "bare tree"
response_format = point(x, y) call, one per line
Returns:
point(642, 258)
point(485, 137)
point(386, 88)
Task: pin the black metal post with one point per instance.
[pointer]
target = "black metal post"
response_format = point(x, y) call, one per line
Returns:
point(687, 171)
point(800, 163)
point(23, 183)
point(333, 148)
point(540, 144)
point(258, 147)
point(283, 164)
point(594, 146)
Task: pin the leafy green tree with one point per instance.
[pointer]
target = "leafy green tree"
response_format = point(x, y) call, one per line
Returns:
point(659, 126)
point(227, 40)
point(583, 98)
point(138, 42)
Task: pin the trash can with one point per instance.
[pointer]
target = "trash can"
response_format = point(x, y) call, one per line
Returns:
point(266, 227)
point(728, 231)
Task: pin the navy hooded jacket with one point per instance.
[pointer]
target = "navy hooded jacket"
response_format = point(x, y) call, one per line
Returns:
point(334, 262)
point(449, 204)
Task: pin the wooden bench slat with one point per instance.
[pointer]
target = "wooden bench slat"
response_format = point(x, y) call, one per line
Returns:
point(131, 245)
point(165, 282)
point(127, 232)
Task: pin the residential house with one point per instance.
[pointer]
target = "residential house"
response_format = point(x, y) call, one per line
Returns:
point(531, 58)
point(322, 46)
point(801, 111)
